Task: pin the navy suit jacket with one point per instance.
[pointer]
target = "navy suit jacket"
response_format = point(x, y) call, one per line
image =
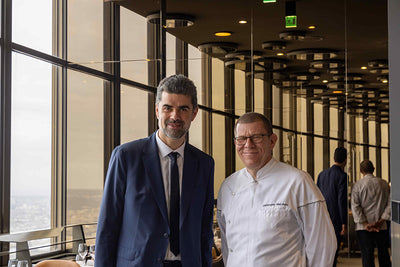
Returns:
point(133, 228)
point(333, 185)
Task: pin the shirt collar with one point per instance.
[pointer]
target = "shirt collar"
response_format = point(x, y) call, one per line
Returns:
point(165, 150)
point(261, 172)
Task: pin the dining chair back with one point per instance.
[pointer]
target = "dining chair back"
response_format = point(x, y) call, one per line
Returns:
point(57, 263)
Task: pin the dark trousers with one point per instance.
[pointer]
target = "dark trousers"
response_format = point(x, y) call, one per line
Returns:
point(338, 239)
point(367, 242)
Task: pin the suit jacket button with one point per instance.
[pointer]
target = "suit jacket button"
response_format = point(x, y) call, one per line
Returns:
point(165, 235)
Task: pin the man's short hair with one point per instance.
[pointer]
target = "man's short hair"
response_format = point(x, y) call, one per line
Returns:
point(366, 166)
point(251, 117)
point(340, 154)
point(177, 84)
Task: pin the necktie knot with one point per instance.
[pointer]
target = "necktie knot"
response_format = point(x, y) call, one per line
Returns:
point(173, 156)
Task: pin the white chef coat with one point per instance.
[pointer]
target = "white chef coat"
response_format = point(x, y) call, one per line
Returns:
point(279, 219)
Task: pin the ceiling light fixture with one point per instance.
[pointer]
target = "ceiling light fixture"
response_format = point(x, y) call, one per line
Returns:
point(274, 45)
point(217, 49)
point(242, 21)
point(172, 20)
point(325, 81)
point(312, 27)
point(280, 54)
point(292, 35)
point(223, 34)
point(363, 67)
point(313, 54)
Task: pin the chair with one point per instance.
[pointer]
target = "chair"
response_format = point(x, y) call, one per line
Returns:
point(57, 263)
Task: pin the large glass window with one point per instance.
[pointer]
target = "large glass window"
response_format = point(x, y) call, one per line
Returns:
point(32, 24)
point(133, 46)
point(240, 92)
point(134, 114)
point(31, 128)
point(218, 142)
point(194, 70)
point(218, 91)
point(85, 148)
point(85, 32)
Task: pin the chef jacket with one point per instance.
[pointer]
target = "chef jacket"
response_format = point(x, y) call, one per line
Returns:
point(370, 201)
point(279, 219)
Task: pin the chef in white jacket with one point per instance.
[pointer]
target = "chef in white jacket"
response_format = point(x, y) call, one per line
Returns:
point(270, 213)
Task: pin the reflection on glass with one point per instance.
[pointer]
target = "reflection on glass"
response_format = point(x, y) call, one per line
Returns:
point(218, 90)
point(194, 66)
point(134, 114)
point(133, 46)
point(218, 141)
point(85, 148)
point(85, 32)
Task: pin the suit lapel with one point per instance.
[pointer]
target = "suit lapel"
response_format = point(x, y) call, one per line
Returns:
point(189, 181)
point(152, 166)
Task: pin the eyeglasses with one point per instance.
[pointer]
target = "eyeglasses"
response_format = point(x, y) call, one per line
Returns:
point(257, 138)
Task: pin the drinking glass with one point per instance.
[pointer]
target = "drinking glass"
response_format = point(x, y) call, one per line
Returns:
point(23, 263)
point(12, 263)
point(82, 250)
point(91, 251)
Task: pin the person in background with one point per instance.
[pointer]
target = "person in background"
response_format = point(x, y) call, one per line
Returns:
point(270, 213)
point(333, 185)
point(157, 206)
point(370, 204)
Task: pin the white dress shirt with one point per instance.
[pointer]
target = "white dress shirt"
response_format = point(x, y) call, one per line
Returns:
point(279, 219)
point(165, 162)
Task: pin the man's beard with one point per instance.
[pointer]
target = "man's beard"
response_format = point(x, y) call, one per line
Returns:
point(174, 133)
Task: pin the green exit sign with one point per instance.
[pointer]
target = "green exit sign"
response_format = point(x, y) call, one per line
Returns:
point(269, 1)
point(291, 21)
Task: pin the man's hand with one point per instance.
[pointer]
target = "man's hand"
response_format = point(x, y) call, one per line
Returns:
point(373, 227)
point(344, 229)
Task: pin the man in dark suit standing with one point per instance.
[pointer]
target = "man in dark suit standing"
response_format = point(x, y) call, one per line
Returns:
point(333, 185)
point(157, 206)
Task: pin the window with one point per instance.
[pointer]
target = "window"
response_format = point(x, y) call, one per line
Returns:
point(31, 127)
point(84, 147)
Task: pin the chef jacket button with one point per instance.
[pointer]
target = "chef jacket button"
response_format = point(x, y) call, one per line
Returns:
point(165, 235)
point(229, 221)
point(233, 193)
point(230, 250)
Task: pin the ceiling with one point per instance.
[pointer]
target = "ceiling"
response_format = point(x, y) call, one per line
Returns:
point(354, 32)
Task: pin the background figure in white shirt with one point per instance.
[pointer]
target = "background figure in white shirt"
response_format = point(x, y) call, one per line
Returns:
point(370, 204)
point(270, 213)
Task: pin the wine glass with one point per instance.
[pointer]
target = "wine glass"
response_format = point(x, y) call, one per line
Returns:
point(91, 251)
point(23, 263)
point(82, 251)
point(12, 263)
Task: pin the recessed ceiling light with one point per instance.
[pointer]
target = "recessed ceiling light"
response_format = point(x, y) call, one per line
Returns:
point(242, 21)
point(363, 67)
point(385, 81)
point(280, 54)
point(337, 92)
point(312, 27)
point(223, 34)
point(325, 81)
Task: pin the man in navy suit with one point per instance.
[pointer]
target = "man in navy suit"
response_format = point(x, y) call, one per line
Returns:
point(157, 205)
point(333, 185)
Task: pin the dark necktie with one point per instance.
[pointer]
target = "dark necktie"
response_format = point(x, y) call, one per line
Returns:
point(174, 205)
